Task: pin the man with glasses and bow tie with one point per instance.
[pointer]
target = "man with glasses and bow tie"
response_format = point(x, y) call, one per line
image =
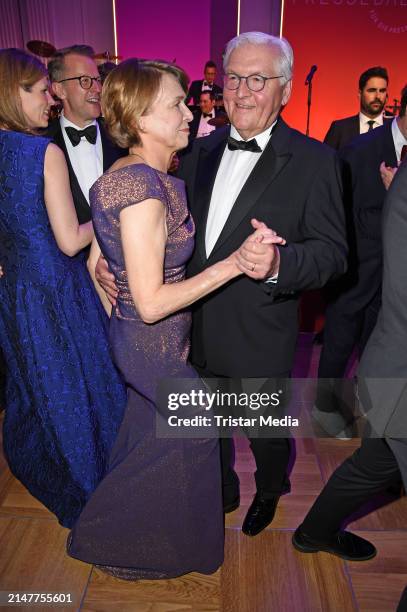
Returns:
point(79, 130)
point(260, 170)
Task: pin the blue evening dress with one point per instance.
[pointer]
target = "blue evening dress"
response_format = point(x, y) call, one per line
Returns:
point(64, 398)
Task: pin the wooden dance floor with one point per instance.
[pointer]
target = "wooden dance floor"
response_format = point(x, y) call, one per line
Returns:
point(263, 574)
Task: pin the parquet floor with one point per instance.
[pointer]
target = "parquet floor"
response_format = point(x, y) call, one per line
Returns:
point(262, 574)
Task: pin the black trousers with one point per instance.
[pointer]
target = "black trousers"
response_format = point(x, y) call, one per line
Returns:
point(370, 470)
point(348, 324)
point(272, 455)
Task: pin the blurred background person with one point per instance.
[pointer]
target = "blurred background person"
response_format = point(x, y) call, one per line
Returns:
point(373, 84)
point(205, 84)
point(200, 125)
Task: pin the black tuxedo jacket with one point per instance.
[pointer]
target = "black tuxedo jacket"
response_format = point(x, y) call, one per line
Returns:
point(194, 125)
point(365, 195)
point(195, 90)
point(249, 328)
point(344, 131)
point(110, 153)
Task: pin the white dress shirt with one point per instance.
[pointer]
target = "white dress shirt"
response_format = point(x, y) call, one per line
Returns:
point(398, 138)
point(233, 172)
point(204, 128)
point(364, 122)
point(86, 159)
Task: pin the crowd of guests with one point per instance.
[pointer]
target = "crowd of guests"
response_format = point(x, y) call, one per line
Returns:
point(253, 217)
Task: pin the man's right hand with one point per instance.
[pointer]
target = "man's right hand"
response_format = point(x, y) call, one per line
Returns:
point(387, 173)
point(106, 280)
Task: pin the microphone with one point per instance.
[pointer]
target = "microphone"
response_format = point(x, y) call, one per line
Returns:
point(311, 74)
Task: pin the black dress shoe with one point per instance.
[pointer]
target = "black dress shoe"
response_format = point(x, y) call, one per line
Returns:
point(231, 506)
point(260, 514)
point(343, 544)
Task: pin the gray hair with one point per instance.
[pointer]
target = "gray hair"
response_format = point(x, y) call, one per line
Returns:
point(285, 60)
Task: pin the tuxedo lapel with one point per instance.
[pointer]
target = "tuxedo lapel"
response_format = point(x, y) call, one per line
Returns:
point(110, 151)
point(75, 187)
point(354, 127)
point(208, 164)
point(272, 161)
point(389, 151)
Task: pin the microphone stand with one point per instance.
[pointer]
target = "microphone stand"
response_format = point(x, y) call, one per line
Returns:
point(309, 102)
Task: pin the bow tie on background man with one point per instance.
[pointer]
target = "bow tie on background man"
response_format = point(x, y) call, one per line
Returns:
point(207, 114)
point(75, 135)
point(243, 145)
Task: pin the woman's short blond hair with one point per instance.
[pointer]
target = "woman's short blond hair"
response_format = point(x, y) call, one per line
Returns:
point(129, 92)
point(17, 69)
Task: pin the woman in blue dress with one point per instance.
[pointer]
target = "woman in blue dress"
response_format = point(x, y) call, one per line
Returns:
point(64, 398)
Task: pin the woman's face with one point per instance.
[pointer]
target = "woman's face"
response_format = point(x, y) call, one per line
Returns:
point(166, 124)
point(36, 104)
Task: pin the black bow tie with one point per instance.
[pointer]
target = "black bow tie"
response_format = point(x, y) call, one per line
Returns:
point(207, 114)
point(75, 135)
point(243, 145)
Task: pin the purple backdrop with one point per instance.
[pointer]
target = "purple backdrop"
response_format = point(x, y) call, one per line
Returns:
point(165, 30)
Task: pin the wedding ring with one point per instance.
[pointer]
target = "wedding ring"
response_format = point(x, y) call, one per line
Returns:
point(254, 265)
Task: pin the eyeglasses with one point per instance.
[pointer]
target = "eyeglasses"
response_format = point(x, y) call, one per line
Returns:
point(85, 81)
point(255, 82)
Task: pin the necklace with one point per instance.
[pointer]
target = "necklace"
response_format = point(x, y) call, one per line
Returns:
point(140, 156)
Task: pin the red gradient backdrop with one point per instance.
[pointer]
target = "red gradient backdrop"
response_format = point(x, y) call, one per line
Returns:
point(343, 38)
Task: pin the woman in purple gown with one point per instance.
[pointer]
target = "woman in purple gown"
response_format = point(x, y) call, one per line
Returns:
point(158, 512)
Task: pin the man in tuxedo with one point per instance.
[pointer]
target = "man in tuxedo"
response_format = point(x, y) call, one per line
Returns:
point(199, 126)
point(373, 95)
point(79, 131)
point(205, 84)
point(352, 311)
point(382, 383)
point(260, 168)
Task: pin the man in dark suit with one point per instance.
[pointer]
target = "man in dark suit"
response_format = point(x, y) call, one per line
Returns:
point(199, 125)
point(383, 394)
point(260, 168)
point(373, 85)
point(205, 84)
point(79, 131)
point(352, 312)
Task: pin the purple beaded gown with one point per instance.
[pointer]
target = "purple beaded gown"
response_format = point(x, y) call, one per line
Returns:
point(158, 511)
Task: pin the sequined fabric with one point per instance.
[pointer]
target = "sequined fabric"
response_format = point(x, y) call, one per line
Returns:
point(157, 513)
point(64, 398)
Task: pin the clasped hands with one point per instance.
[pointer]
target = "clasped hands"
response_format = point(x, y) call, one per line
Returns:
point(259, 257)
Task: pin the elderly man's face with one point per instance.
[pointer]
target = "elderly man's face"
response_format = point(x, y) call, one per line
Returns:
point(252, 112)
